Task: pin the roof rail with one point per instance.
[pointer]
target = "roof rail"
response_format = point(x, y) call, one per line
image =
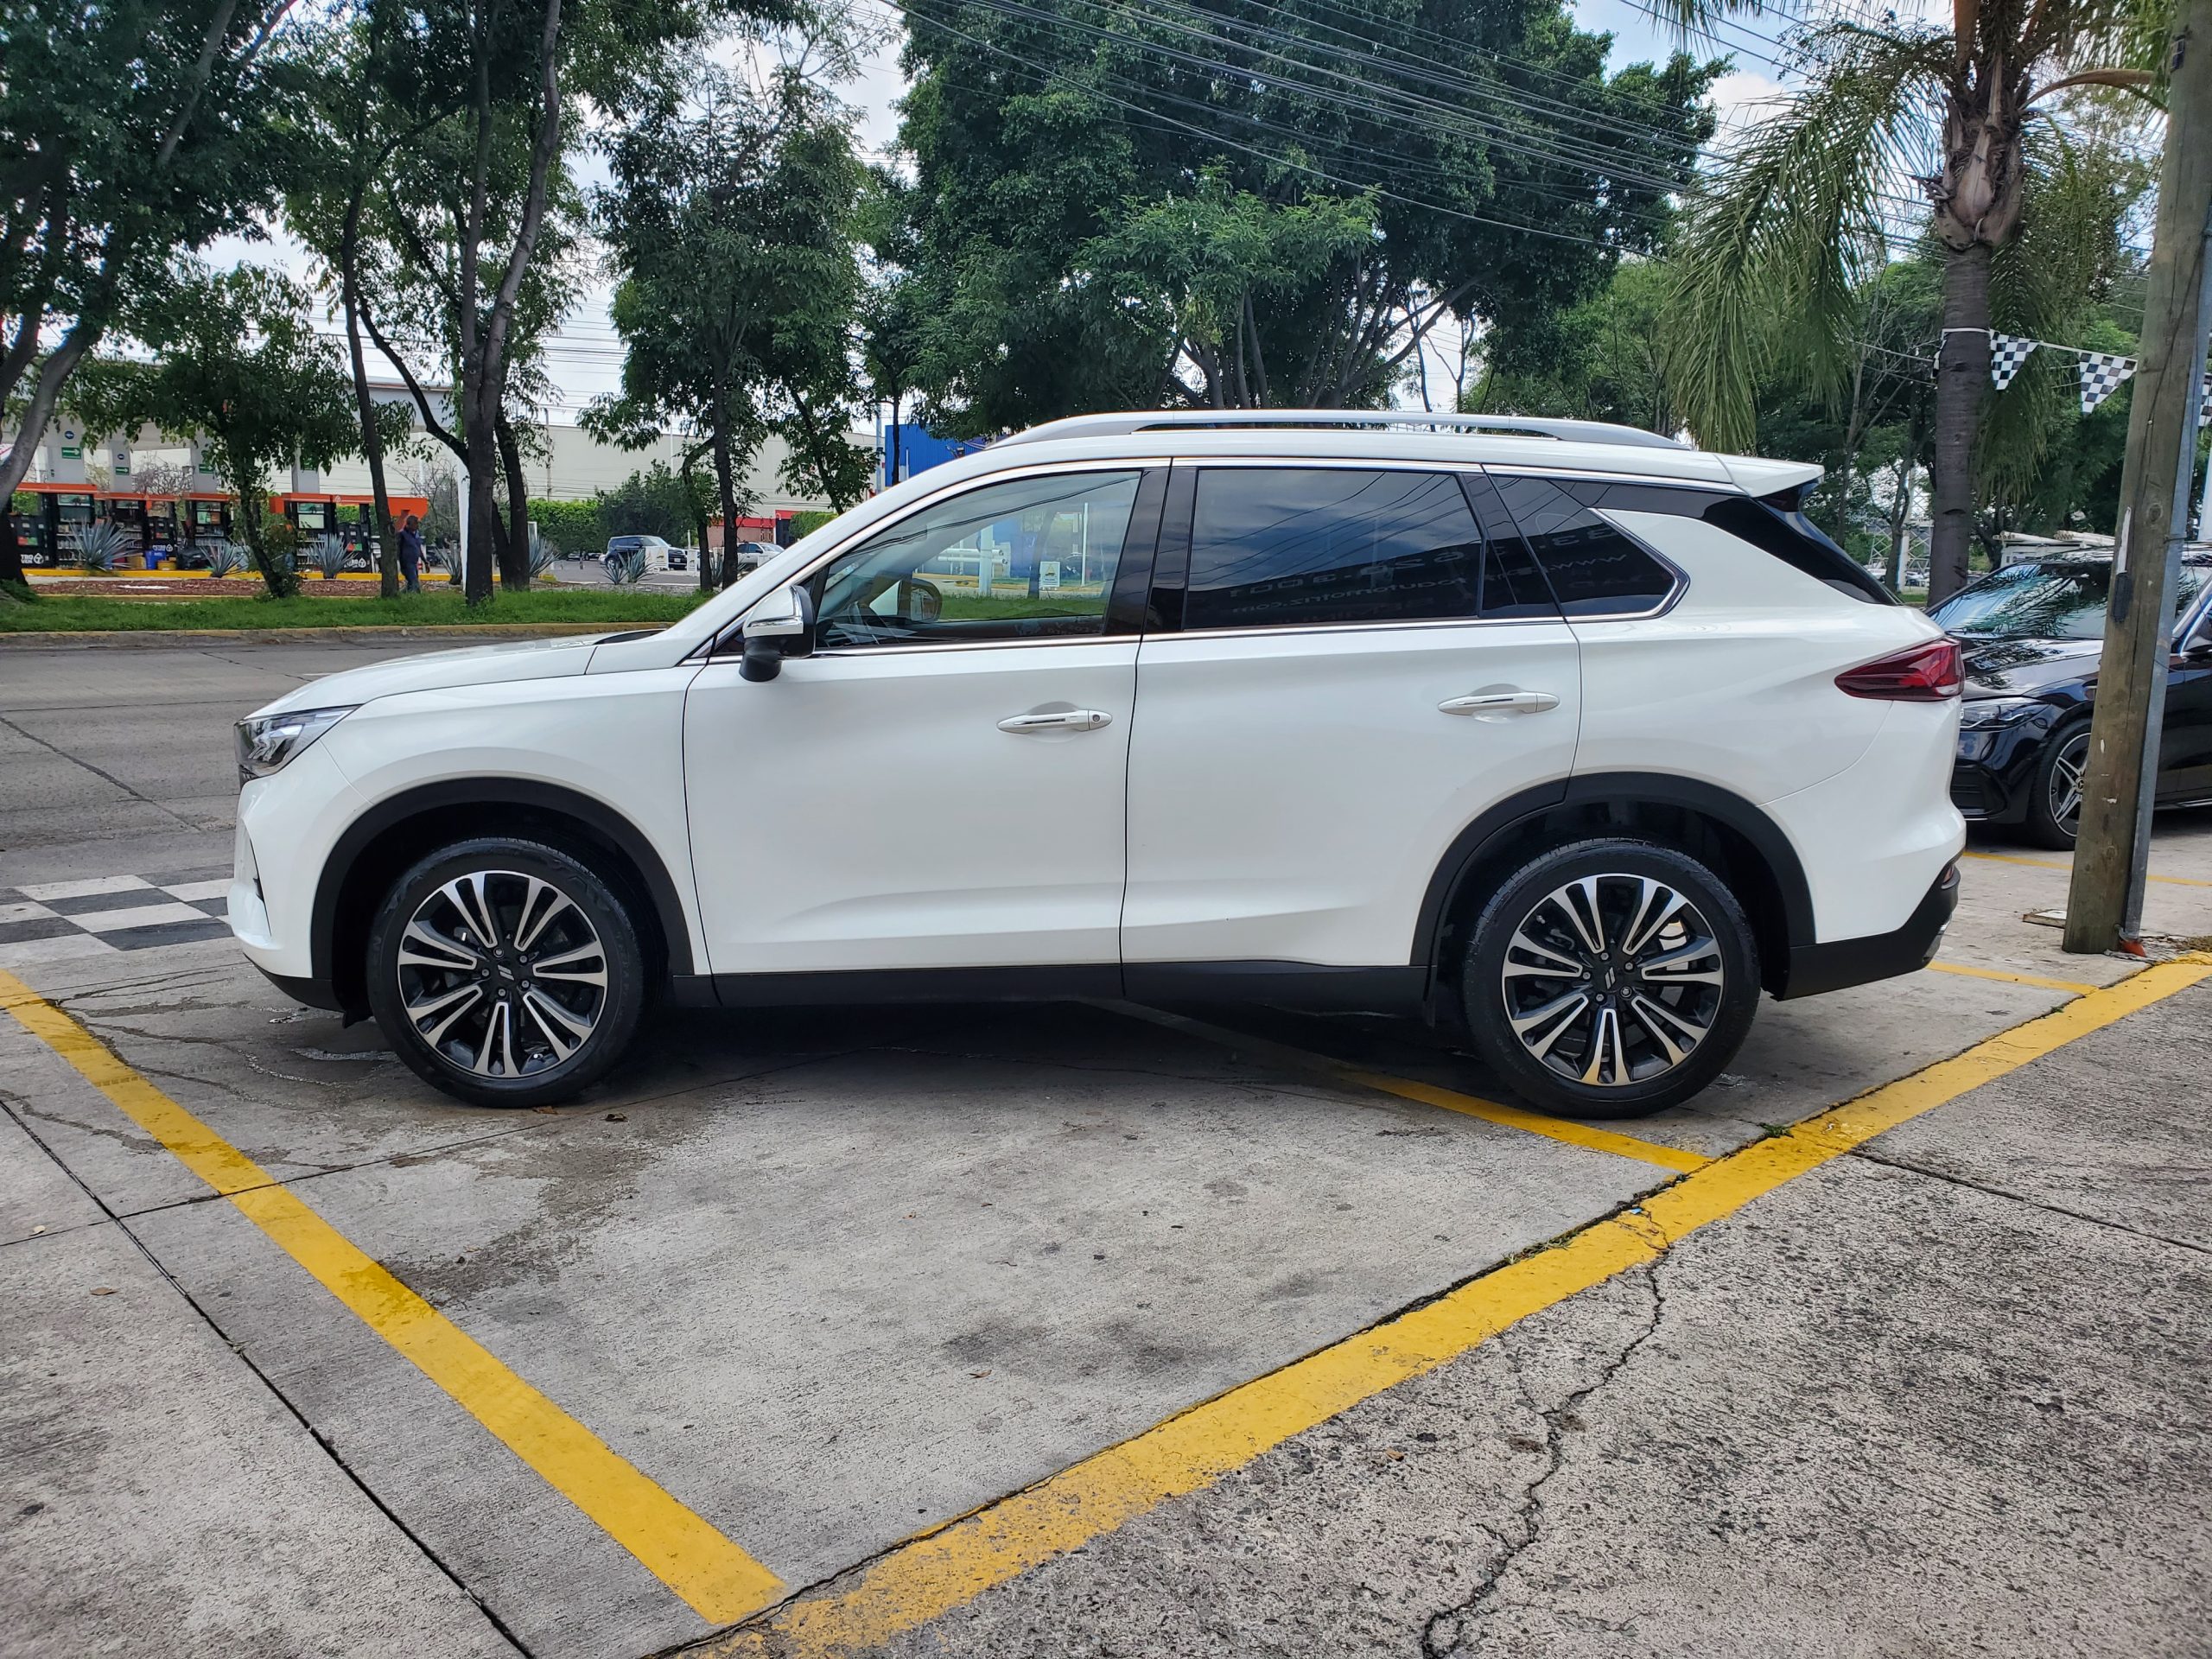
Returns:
point(1120, 425)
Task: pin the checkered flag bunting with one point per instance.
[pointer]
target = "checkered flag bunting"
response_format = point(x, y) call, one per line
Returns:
point(2204, 404)
point(2102, 376)
point(2006, 353)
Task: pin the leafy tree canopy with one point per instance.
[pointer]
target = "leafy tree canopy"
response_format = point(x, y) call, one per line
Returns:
point(237, 361)
point(1135, 202)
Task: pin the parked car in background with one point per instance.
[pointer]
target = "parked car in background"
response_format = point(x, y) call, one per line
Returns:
point(1566, 735)
point(654, 549)
point(2032, 633)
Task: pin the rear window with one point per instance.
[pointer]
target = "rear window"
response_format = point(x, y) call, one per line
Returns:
point(1272, 547)
point(1595, 569)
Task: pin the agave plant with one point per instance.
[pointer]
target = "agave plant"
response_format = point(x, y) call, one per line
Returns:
point(625, 569)
point(1792, 223)
point(223, 558)
point(542, 555)
point(330, 558)
point(99, 545)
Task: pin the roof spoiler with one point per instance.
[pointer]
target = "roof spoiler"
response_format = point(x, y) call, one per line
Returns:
point(1187, 420)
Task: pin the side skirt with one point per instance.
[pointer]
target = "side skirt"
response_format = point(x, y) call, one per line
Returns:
point(1283, 984)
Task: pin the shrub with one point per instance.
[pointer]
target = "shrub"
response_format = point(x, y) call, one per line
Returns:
point(330, 558)
point(99, 545)
point(542, 555)
point(625, 569)
point(223, 558)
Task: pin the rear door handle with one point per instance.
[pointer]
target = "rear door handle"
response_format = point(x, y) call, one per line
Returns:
point(1080, 719)
point(1500, 702)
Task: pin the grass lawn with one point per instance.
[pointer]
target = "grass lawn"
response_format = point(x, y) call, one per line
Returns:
point(80, 614)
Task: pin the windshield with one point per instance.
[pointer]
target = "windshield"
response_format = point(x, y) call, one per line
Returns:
point(2045, 601)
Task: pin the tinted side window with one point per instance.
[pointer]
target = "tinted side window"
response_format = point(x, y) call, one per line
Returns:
point(1031, 558)
point(1512, 585)
point(1594, 569)
point(1272, 547)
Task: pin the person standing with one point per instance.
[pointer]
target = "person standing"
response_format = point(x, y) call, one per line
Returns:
point(411, 553)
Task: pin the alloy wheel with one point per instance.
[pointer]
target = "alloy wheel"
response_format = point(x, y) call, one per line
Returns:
point(501, 975)
point(2066, 769)
point(1613, 980)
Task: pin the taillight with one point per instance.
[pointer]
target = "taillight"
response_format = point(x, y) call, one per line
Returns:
point(1928, 673)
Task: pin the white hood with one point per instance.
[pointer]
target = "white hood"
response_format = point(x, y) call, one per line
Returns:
point(437, 671)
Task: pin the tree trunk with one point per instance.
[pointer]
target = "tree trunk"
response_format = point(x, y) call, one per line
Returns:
point(11, 556)
point(371, 440)
point(1961, 382)
point(514, 568)
point(1900, 509)
point(38, 410)
point(725, 491)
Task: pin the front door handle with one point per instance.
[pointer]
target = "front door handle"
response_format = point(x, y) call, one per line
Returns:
point(1079, 719)
point(1500, 702)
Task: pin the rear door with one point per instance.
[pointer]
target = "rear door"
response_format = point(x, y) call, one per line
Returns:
point(1337, 677)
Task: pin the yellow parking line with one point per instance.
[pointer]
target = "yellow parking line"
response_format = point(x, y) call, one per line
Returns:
point(937, 1570)
point(2077, 987)
point(2045, 864)
point(1429, 1093)
point(719, 1580)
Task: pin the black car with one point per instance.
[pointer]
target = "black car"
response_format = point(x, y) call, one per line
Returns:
point(2031, 634)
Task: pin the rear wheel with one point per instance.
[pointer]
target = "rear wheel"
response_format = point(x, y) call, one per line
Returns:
point(1611, 978)
point(506, 972)
point(2054, 795)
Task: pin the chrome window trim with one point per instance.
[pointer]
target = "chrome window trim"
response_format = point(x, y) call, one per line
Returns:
point(706, 649)
point(1297, 629)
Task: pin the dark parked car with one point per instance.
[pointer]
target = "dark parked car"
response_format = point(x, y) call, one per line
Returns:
point(2032, 633)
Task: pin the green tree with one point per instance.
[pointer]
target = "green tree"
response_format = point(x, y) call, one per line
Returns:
point(348, 133)
point(1122, 208)
point(127, 130)
point(730, 219)
point(237, 360)
point(1599, 360)
point(1792, 224)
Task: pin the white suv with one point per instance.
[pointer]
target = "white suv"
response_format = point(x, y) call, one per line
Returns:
point(1561, 731)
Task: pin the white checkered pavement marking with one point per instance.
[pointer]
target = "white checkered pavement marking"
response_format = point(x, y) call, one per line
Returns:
point(53, 921)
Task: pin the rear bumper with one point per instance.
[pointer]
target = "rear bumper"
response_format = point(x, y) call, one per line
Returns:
point(1817, 968)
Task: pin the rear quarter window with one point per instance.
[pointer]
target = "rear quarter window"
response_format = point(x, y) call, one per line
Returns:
point(1595, 569)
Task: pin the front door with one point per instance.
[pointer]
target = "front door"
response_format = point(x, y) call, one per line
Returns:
point(941, 784)
point(1356, 678)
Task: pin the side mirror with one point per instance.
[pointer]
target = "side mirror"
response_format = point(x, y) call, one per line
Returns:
point(777, 631)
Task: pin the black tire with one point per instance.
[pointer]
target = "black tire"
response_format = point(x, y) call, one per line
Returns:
point(2057, 775)
point(1636, 1071)
point(532, 987)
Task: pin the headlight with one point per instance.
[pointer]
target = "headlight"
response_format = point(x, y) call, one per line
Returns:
point(267, 742)
point(1997, 711)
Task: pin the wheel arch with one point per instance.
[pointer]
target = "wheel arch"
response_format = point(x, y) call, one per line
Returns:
point(397, 831)
point(1753, 855)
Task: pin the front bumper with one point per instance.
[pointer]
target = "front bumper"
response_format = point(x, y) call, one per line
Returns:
point(1993, 779)
point(1814, 969)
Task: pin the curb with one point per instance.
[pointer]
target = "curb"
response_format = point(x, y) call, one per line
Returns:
point(450, 631)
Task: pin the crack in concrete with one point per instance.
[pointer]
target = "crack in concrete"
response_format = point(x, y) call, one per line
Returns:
point(1973, 1186)
point(105, 776)
point(1461, 1621)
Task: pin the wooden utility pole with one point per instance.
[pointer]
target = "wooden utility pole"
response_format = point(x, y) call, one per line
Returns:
point(2105, 906)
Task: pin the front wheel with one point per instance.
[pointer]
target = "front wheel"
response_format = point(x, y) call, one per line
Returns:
point(1611, 978)
point(2055, 794)
point(506, 972)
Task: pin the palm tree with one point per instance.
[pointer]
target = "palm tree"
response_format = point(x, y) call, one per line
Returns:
point(1793, 221)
